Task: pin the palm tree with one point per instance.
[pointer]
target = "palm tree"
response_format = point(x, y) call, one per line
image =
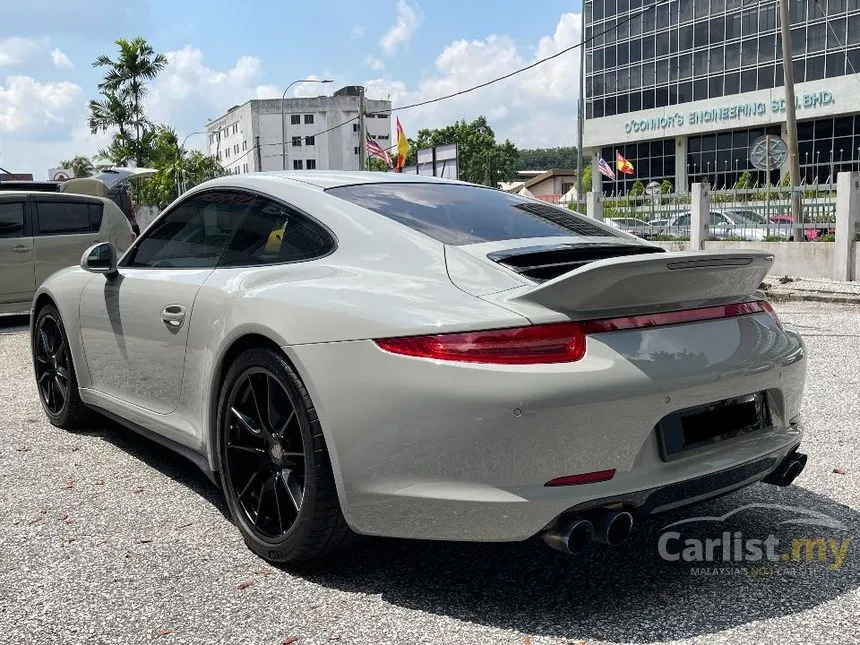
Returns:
point(125, 82)
point(81, 166)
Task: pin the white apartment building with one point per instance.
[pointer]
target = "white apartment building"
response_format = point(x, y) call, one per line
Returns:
point(233, 136)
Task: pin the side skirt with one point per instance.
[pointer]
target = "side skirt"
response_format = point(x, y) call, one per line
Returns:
point(194, 457)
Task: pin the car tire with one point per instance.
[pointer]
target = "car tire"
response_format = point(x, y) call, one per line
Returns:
point(278, 530)
point(56, 380)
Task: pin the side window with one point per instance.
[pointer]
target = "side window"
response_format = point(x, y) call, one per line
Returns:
point(683, 220)
point(11, 219)
point(96, 212)
point(66, 218)
point(194, 234)
point(271, 233)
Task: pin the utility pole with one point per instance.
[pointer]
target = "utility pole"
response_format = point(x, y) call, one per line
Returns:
point(790, 121)
point(580, 117)
point(362, 132)
point(257, 151)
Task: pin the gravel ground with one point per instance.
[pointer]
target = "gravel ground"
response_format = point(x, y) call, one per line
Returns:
point(107, 538)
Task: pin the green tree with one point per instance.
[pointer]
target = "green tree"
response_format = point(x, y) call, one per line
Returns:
point(113, 112)
point(81, 166)
point(638, 188)
point(744, 181)
point(587, 174)
point(175, 168)
point(124, 88)
point(378, 165)
point(666, 187)
point(547, 158)
point(479, 158)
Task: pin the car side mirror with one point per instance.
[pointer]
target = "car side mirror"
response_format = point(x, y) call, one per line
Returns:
point(100, 258)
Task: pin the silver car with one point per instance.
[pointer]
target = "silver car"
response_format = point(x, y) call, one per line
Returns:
point(378, 354)
point(41, 233)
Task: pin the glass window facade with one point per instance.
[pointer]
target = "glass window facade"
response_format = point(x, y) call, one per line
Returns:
point(650, 159)
point(720, 158)
point(690, 50)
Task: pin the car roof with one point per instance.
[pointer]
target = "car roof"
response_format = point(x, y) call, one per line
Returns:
point(334, 178)
point(52, 197)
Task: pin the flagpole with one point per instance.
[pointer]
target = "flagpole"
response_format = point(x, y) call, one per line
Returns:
point(362, 132)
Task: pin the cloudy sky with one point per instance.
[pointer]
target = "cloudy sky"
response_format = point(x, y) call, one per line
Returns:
point(223, 53)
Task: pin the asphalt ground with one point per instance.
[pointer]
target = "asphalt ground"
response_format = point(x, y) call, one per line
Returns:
point(106, 537)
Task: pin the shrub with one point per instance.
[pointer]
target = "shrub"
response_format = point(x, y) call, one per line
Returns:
point(660, 237)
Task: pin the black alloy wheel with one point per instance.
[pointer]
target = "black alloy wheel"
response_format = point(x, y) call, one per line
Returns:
point(53, 366)
point(274, 464)
point(265, 453)
point(55, 371)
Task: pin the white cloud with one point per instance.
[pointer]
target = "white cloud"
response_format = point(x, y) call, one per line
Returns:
point(42, 124)
point(15, 50)
point(310, 90)
point(60, 60)
point(374, 63)
point(536, 108)
point(267, 92)
point(401, 31)
point(358, 31)
point(39, 110)
point(188, 93)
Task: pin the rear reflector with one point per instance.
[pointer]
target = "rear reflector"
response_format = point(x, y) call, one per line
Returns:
point(552, 343)
point(582, 478)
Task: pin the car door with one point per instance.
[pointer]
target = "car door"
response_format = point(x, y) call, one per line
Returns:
point(65, 226)
point(134, 326)
point(720, 226)
point(681, 226)
point(17, 272)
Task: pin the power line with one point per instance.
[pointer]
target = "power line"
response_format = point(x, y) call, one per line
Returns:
point(582, 43)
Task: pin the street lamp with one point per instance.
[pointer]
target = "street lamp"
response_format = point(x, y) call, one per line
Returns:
point(181, 185)
point(283, 122)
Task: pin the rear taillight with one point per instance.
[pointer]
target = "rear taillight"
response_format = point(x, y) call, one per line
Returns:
point(680, 317)
point(552, 343)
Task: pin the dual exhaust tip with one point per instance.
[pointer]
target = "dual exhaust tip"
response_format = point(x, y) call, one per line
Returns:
point(576, 535)
point(613, 527)
point(788, 470)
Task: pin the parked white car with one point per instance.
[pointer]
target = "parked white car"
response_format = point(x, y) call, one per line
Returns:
point(720, 227)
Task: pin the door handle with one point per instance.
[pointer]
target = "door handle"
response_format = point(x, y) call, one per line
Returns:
point(21, 248)
point(173, 316)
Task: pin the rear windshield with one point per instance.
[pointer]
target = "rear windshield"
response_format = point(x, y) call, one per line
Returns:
point(461, 214)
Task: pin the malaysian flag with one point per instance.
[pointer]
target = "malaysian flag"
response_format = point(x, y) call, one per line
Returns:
point(376, 150)
point(604, 168)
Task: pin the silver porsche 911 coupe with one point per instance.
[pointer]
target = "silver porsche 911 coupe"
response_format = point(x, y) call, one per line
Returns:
point(379, 354)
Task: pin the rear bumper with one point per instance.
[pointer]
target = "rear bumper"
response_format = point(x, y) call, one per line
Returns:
point(433, 450)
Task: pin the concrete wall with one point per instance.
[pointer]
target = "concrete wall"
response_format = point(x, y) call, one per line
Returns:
point(797, 259)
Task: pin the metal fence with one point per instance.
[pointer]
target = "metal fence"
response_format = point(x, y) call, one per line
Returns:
point(755, 214)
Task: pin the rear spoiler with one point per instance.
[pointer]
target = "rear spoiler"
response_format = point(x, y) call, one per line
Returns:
point(660, 281)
